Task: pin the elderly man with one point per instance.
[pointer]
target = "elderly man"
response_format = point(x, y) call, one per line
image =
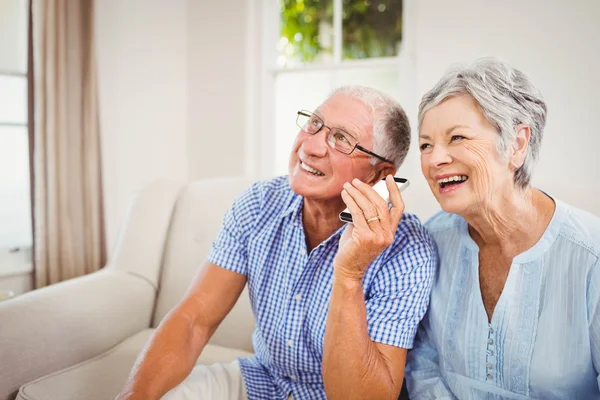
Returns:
point(336, 305)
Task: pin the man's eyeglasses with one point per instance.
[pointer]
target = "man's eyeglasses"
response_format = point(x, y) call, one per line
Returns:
point(337, 138)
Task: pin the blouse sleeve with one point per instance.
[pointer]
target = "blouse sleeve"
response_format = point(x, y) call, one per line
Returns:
point(594, 318)
point(423, 377)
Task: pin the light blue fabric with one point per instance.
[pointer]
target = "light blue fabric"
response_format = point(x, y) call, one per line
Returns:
point(262, 237)
point(544, 338)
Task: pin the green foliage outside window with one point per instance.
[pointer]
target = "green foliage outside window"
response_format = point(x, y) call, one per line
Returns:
point(370, 28)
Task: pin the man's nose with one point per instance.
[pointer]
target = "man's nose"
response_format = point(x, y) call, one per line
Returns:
point(316, 145)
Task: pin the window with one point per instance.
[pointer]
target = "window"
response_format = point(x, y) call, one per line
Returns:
point(324, 44)
point(15, 204)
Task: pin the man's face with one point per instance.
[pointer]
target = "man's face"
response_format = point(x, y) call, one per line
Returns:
point(316, 170)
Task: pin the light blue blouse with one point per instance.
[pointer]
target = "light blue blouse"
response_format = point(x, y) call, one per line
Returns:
point(544, 338)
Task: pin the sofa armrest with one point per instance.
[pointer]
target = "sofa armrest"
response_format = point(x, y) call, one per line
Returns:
point(60, 325)
point(143, 234)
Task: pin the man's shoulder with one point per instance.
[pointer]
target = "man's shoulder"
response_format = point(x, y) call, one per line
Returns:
point(272, 193)
point(410, 226)
point(274, 185)
point(412, 233)
point(412, 251)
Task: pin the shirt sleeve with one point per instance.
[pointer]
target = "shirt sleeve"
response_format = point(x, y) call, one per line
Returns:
point(594, 318)
point(229, 250)
point(423, 377)
point(400, 294)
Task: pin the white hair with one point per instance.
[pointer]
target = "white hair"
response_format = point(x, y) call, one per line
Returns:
point(506, 98)
point(391, 129)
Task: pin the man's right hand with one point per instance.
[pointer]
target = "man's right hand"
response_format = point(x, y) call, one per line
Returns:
point(171, 353)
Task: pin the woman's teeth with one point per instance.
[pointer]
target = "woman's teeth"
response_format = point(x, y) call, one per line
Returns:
point(452, 180)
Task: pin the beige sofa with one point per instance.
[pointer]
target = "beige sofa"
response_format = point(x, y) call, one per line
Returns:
point(79, 339)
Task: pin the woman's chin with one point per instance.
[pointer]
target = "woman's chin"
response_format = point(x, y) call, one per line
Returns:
point(453, 206)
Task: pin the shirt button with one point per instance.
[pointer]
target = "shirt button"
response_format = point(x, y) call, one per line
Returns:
point(489, 366)
point(298, 297)
point(490, 352)
point(290, 343)
point(293, 377)
point(490, 341)
point(488, 376)
point(491, 330)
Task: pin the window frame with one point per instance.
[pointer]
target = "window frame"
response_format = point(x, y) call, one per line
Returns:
point(264, 32)
point(16, 261)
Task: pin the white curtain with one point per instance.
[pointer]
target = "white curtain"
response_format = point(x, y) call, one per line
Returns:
point(67, 199)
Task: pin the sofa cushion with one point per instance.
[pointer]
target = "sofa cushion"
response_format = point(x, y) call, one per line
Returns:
point(195, 222)
point(102, 377)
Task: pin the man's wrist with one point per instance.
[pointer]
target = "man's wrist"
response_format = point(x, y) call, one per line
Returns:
point(347, 280)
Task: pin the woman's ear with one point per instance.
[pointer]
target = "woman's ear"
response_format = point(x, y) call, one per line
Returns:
point(520, 146)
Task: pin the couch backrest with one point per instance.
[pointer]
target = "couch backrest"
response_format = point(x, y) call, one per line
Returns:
point(195, 222)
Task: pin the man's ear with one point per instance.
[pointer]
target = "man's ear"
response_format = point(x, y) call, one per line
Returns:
point(382, 170)
point(520, 146)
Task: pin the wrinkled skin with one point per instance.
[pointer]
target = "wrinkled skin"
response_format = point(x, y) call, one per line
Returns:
point(457, 139)
point(354, 117)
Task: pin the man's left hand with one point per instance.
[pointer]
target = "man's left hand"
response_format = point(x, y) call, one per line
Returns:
point(372, 229)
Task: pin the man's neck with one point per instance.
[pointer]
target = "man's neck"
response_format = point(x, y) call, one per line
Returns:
point(320, 220)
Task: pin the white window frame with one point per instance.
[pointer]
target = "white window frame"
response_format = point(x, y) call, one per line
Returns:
point(15, 261)
point(263, 28)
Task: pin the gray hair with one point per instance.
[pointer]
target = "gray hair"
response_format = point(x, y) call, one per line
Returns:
point(506, 98)
point(391, 129)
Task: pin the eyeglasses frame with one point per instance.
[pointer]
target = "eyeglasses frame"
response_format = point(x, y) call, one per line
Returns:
point(309, 114)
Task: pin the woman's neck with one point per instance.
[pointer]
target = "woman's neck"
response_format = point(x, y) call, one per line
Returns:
point(512, 223)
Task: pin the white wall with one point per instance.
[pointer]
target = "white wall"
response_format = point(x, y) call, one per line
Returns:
point(142, 79)
point(172, 83)
point(176, 86)
point(556, 43)
point(216, 86)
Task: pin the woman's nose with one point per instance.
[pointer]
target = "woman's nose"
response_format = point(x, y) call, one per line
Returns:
point(439, 156)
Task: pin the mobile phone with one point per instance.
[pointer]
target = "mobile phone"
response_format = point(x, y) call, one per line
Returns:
point(381, 189)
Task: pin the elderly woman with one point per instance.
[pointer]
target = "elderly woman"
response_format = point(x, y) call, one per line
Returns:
point(514, 311)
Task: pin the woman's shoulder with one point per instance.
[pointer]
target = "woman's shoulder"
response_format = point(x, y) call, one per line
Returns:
point(581, 227)
point(443, 221)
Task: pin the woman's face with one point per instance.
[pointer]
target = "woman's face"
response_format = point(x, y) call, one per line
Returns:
point(459, 157)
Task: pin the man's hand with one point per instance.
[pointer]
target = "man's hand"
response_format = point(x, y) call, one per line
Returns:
point(372, 230)
point(354, 365)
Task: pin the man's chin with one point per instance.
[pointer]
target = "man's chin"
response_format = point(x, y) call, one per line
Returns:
point(307, 187)
point(301, 187)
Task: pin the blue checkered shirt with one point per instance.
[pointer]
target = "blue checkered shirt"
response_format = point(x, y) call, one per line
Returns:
point(262, 237)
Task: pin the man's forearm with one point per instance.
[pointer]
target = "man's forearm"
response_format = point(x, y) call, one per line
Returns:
point(352, 365)
point(167, 359)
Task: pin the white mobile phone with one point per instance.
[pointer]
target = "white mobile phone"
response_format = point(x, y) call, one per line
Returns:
point(381, 189)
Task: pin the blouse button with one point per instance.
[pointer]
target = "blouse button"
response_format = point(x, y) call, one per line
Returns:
point(489, 366)
point(488, 376)
point(490, 341)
